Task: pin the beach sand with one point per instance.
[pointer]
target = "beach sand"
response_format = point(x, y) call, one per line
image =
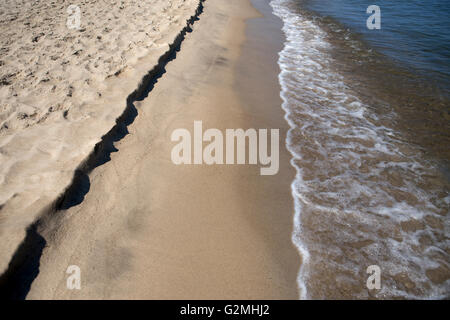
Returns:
point(148, 229)
point(62, 89)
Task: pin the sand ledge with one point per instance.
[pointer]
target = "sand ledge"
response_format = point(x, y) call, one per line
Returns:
point(22, 211)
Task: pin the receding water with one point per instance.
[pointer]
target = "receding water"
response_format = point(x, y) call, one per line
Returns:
point(370, 139)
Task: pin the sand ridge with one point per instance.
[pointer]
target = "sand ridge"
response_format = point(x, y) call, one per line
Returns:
point(62, 89)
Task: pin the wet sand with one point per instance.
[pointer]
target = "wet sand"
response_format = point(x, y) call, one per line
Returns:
point(148, 229)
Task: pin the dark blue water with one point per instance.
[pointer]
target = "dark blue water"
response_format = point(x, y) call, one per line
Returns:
point(415, 33)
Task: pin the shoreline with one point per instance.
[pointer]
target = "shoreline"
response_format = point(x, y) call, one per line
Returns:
point(150, 229)
point(367, 193)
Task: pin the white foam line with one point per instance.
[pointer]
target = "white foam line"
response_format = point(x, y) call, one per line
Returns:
point(304, 253)
point(301, 247)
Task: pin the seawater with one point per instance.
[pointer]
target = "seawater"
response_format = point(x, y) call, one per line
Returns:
point(369, 139)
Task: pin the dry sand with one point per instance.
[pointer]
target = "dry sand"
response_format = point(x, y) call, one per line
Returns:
point(150, 229)
point(62, 89)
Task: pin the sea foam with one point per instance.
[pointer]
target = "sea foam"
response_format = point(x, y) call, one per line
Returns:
point(363, 196)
